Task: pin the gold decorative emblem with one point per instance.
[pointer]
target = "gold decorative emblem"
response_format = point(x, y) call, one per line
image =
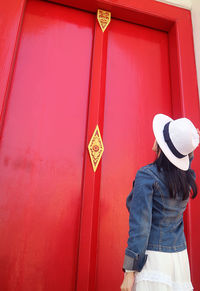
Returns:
point(96, 148)
point(104, 18)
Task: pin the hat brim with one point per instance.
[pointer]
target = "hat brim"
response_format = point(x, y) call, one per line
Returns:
point(159, 122)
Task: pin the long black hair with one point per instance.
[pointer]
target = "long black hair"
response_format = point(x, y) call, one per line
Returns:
point(179, 182)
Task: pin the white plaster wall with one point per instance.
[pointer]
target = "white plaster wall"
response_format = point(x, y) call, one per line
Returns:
point(180, 3)
point(196, 33)
point(194, 6)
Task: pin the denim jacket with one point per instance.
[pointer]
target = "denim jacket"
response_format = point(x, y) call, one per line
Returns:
point(155, 219)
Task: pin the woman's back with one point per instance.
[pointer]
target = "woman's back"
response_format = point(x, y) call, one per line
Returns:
point(167, 229)
point(156, 257)
point(154, 212)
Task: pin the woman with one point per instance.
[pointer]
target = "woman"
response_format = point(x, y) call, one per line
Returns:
point(156, 258)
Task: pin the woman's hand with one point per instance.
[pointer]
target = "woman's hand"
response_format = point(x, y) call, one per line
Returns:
point(128, 281)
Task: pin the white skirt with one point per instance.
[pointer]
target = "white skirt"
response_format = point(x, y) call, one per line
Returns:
point(164, 272)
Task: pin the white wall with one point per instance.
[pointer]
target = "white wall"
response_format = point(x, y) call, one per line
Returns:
point(194, 6)
point(196, 33)
point(180, 3)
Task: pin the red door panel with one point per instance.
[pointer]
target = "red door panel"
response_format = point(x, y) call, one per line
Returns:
point(43, 144)
point(41, 150)
point(137, 87)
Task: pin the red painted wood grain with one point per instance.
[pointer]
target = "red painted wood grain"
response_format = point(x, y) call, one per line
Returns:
point(41, 150)
point(137, 87)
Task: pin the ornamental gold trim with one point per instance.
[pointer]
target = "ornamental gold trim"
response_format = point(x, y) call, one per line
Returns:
point(104, 18)
point(95, 148)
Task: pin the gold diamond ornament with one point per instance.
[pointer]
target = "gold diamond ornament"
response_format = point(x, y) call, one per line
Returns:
point(95, 148)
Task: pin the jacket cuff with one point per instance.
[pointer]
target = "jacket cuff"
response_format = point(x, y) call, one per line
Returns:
point(128, 263)
point(134, 263)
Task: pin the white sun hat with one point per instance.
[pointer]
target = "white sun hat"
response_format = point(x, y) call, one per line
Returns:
point(176, 138)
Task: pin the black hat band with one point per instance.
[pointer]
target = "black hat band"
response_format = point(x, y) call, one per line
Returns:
point(170, 143)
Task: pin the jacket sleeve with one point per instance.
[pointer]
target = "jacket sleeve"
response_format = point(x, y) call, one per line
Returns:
point(140, 217)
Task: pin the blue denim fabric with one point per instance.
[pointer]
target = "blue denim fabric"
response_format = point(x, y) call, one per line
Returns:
point(155, 219)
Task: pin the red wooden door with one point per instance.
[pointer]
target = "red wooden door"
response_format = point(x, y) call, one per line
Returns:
point(43, 144)
point(41, 150)
point(137, 87)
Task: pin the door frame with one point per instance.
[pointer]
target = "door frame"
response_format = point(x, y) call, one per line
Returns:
point(178, 24)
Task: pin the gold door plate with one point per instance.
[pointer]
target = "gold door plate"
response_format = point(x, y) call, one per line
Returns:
point(104, 18)
point(95, 148)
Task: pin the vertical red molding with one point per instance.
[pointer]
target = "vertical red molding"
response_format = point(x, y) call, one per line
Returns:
point(175, 76)
point(11, 15)
point(185, 100)
point(91, 180)
point(190, 107)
